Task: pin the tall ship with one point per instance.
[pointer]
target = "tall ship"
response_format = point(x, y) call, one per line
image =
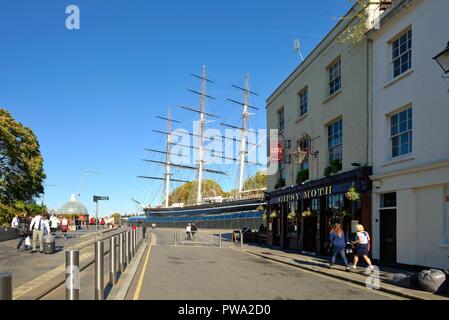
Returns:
point(241, 202)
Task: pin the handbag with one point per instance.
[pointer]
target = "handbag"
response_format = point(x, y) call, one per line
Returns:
point(349, 248)
point(28, 241)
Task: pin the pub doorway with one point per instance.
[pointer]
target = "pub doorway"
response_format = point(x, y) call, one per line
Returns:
point(310, 225)
point(388, 225)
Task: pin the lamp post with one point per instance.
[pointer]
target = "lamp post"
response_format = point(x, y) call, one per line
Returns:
point(443, 59)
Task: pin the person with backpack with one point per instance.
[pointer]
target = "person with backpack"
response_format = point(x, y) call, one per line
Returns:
point(362, 247)
point(23, 229)
point(337, 240)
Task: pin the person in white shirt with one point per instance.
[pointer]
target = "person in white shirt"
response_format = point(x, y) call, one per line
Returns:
point(362, 247)
point(54, 223)
point(15, 222)
point(38, 225)
point(189, 231)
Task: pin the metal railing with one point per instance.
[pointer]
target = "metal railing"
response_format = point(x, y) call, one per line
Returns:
point(123, 246)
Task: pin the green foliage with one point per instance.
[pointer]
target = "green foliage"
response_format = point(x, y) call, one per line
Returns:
point(258, 181)
point(355, 33)
point(7, 213)
point(187, 192)
point(280, 184)
point(117, 218)
point(302, 176)
point(21, 164)
point(334, 167)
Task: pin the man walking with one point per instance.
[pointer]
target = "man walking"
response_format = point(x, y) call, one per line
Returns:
point(38, 224)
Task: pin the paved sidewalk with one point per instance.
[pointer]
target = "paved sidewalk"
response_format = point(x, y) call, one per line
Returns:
point(321, 265)
point(33, 272)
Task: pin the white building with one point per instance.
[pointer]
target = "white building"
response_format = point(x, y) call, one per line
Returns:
point(410, 105)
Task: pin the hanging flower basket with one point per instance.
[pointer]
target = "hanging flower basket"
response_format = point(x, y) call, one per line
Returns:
point(259, 208)
point(307, 213)
point(291, 215)
point(264, 216)
point(273, 214)
point(352, 194)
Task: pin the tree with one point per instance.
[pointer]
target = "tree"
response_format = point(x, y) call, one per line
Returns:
point(21, 164)
point(187, 192)
point(258, 181)
point(117, 218)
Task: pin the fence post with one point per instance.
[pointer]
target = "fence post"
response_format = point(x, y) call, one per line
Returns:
point(72, 274)
point(112, 259)
point(99, 270)
point(128, 247)
point(5, 286)
point(121, 253)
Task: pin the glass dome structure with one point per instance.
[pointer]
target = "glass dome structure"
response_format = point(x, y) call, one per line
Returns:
point(73, 207)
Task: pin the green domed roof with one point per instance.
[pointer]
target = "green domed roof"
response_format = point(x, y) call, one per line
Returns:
point(73, 207)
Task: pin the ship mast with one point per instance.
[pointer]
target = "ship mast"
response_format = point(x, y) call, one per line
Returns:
point(244, 129)
point(201, 138)
point(243, 137)
point(167, 160)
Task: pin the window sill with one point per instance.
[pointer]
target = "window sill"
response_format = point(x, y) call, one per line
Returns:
point(336, 93)
point(444, 245)
point(408, 157)
point(398, 78)
point(301, 117)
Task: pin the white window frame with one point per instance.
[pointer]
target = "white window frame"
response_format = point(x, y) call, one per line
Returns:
point(399, 134)
point(303, 98)
point(339, 145)
point(334, 74)
point(408, 52)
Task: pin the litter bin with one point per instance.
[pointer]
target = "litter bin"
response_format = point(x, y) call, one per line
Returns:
point(49, 244)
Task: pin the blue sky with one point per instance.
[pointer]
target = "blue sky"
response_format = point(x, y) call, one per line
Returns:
point(91, 95)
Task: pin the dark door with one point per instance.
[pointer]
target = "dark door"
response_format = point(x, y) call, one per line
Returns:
point(388, 236)
point(310, 232)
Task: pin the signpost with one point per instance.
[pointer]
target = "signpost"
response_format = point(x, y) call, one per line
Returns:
point(96, 200)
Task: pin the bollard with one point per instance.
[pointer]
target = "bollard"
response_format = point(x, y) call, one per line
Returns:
point(175, 237)
point(241, 239)
point(121, 253)
point(219, 241)
point(5, 286)
point(117, 256)
point(99, 270)
point(128, 247)
point(72, 274)
point(112, 263)
point(135, 242)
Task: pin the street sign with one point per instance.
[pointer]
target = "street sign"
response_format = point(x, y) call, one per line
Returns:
point(98, 198)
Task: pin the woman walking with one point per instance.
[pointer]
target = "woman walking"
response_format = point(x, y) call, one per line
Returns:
point(338, 245)
point(362, 247)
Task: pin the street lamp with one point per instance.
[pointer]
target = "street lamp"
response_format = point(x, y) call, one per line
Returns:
point(443, 59)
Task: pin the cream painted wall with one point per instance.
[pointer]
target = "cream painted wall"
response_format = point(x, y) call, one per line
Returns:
point(420, 179)
point(423, 88)
point(350, 104)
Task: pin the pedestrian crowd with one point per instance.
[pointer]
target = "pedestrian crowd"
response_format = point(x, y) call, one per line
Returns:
point(33, 228)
